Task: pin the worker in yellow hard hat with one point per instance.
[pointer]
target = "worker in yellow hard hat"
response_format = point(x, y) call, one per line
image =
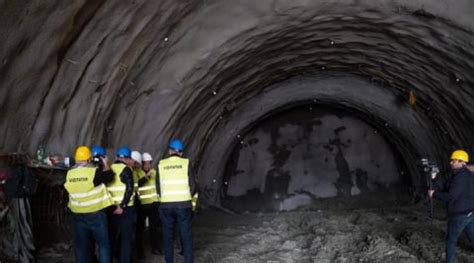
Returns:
point(458, 194)
point(88, 197)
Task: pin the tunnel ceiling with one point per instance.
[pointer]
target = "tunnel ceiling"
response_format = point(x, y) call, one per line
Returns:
point(138, 72)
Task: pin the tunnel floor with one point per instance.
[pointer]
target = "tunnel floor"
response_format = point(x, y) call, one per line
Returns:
point(389, 234)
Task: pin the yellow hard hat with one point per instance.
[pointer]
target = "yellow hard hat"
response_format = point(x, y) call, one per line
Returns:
point(83, 153)
point(460, 155)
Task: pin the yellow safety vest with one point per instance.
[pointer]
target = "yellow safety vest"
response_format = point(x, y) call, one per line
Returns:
point(174, 180)
point(147, 192)
point(116, 188)
point(137, 174)
point(84, 197)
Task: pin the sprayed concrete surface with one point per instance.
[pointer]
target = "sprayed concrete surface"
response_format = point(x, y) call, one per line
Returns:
point(139, 72)
point(389, 234)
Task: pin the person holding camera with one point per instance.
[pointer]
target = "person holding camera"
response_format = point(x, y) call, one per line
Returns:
point(88, 198)
point(98, 153)
point(458, 194)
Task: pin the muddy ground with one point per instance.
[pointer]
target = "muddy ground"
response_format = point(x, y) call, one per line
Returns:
point(391, 234)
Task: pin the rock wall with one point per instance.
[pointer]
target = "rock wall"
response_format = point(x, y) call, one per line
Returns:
point(139, 72)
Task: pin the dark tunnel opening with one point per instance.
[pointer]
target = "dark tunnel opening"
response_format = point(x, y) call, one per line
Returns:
point(370, 105)
point(311, 156)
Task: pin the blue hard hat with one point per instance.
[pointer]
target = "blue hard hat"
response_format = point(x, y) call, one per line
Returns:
point(124, 152)
point(176, 144)
point(98, 151)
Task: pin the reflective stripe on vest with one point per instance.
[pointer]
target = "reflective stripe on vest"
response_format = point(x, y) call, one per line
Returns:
point(174, 179)
point(84, 197)
point(147, 192)
point(116, 188)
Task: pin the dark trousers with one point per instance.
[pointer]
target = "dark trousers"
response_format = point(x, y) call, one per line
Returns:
point(456, 225)
point(182, 217)
point(87, 228)
point(150, 211)
point(122, 233)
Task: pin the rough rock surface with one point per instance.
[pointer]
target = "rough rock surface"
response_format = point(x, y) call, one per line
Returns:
point(139, 72)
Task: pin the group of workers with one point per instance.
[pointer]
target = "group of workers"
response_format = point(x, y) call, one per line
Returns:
point(457, 191)
point(110, 203)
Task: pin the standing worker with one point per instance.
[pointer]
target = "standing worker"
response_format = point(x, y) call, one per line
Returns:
point(88, 197)
point(137, 173)
point(122, 216)
point(458, 193)
point(149, 203)
point(176, 186)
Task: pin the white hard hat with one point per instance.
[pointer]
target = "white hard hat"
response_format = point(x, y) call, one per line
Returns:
point(146, 157)
point(137, 157)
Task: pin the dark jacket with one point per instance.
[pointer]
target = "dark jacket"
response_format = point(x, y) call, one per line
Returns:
point(126, 177)
point(458, 192)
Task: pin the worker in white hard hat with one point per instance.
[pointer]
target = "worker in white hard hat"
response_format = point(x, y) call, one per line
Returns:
point(149, 201)
point(137, 173)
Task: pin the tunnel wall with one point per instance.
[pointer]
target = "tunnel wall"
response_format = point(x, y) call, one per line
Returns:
point(140, 72)
point(306, 153)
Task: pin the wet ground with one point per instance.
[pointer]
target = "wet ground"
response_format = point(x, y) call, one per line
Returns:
point(393, 234)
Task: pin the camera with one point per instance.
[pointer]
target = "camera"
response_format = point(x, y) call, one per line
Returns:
point(96, 160)
point(429, 167)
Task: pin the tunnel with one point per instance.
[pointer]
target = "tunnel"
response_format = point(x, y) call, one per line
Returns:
point(361, 89)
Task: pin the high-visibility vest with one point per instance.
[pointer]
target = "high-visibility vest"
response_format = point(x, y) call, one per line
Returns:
point(137, 174)
point(116, 188)
point(147, 192)
point(174, 180)
point(84, 197)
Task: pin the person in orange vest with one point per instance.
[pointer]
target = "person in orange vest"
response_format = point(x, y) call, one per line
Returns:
point(88, 198)
point(176, 186)
point(122, 216)
point(149, 200)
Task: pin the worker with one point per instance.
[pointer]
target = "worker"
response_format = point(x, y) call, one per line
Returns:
point(176, 186)
point(458, 193)
point(88, 198)
point(122, 216)
point(98, 152)
point(137, 169)
point(149, 203)
point(137, 173)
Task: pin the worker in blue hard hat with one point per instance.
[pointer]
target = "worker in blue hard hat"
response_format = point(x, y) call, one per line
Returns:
point(98, 152)
point(88, 199)
point(176, 186)
point(122, 217)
